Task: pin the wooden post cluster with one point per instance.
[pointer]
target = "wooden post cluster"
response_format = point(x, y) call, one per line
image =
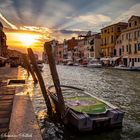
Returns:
point(40, 79)
point(54, 74)
point(28, 67)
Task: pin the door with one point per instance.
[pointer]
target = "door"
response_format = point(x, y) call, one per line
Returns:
point(132, 62)
point(125, 61)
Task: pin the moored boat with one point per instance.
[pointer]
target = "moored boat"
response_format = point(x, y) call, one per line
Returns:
point(85, 111)
point(123, 67)
point(70, 63)
point(94, 63)
point(40, 67)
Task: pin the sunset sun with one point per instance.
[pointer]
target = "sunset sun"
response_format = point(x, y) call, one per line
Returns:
point(28, 39)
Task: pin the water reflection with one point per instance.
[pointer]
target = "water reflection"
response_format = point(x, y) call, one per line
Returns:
point(121, 88)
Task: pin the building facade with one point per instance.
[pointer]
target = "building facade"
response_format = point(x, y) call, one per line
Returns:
point(90, 46)
point(109, 37)
point(3, 46)
point(71, 43)
point(60, 52)
point(131, 42)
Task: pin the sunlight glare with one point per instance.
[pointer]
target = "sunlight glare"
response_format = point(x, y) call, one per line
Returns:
point(28, 39)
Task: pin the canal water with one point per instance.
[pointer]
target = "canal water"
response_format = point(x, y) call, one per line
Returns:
point(121, 88)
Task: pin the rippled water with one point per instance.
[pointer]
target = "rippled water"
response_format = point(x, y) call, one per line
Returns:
point(121, 88)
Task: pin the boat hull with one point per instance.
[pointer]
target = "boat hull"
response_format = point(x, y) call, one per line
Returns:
point(111, 118)
point(94, 66)
point(127, 68)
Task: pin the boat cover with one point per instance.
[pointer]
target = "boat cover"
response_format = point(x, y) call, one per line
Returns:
point(87, 105)
point(81, 102)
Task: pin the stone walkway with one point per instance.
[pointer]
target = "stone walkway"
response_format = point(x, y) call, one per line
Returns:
point(23, 122)
point(6, 98)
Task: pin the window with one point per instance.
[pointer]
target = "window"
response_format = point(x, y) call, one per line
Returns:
point(119, 29)
point(138, 59)
point(122, 48)
point(135, 34)
point(135, 59)
point(129, 24)
point(120, 51)
point(139, 47)
point(123, 37)
point(129, 48)
point(108, 30)
point(60, 54)
point(127, 36)
point(91, 49)
point(139, 33)
point(135, 23)
point(112, 29)
point(105, 41)
point(112, 39)
point(126, 48)
point(135, 48)
point(114, 52)
point(130, 59)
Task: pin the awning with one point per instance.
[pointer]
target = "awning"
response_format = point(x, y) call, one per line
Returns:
point(114, 58)
point(125, 56)
point(3, 58)
point(65, 60)
point(78, 59)
point(105, 59)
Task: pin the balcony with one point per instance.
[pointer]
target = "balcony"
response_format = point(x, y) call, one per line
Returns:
point(135, 39)
point(129, 52)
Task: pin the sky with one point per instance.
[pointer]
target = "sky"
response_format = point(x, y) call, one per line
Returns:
point(64, 18)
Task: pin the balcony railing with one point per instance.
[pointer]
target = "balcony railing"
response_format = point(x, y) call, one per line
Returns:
point(129, 52)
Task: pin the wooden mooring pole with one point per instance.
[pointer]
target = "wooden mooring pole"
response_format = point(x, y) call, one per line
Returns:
point(28, 67)
point(54, 74)
point(40, 80)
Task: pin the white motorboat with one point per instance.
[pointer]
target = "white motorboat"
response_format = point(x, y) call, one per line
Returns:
point(70, 63)
point(75, 64)
point(94, 64)
point(123, 67)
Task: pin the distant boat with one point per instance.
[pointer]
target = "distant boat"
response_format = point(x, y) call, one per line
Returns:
point(123, 67)
point(94, 63)
point(76, 64)
point(40, 67)
point(14, 61)
point(86, 112)
point(70, 63)
point(84, 63)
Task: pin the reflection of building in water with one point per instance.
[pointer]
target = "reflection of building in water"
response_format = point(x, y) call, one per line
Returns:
point(3, 46)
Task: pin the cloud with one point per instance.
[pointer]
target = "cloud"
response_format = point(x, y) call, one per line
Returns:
point(134, 10)
point(7, 22)
point(53, 13)
point(88, 21)
point(92, 19)
point(5, 3)
point(9, 12)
